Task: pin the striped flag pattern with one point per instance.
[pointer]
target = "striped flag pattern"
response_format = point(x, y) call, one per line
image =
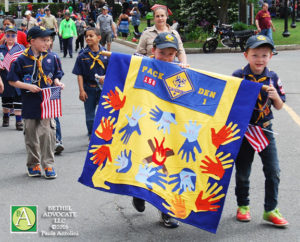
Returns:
point(256, 137)
point(51, 104)
point(11, 56)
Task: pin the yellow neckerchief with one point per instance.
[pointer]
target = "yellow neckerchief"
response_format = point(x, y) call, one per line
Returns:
point(96, 58)
point(41, 74)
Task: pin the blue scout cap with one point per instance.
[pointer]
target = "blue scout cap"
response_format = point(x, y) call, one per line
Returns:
point(38, 31)
point(11, 28)
point(258, 40)
point(165, 40)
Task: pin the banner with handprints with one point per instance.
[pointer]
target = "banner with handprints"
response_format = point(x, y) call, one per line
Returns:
point(169, 136)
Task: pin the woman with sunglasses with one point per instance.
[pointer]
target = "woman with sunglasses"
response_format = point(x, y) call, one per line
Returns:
point(11, 97)
point(21, 36)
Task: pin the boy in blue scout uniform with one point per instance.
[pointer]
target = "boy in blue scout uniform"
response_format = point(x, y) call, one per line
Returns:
point(90, 68)
point(258, 53)
point(11, 97)
point(34, 70)
point(165, 47)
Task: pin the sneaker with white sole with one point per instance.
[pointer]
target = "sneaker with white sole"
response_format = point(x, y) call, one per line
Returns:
point(50, 173)
point(58, 148)
point(275, 218)
point(243, 214)
point(34, 171)
point(167, 221)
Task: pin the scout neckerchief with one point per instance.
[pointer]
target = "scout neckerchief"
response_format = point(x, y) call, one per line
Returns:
point(96, 59)
point(41, 74)
point(263, 108)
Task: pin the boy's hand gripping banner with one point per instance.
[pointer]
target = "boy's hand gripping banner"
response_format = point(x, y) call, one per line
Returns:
point(169, 136)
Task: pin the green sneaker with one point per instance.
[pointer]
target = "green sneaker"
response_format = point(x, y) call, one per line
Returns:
point(275, 218)
point(243, 214)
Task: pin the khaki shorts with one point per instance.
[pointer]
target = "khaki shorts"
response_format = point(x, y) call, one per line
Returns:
point(105, 38)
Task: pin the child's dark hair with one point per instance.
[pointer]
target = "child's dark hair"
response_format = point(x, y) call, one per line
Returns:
point(10, 19)
point(96, 31)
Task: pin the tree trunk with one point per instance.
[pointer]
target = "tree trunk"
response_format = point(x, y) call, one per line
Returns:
point(243, 11)
point(221, 8)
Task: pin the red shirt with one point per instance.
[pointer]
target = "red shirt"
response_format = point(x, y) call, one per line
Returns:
point(21, 38)
point(264, 19)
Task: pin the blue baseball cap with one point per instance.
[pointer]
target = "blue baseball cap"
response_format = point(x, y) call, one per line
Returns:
point(38, 31)
point(259, 40)
point(165, 40)
point(11, 28)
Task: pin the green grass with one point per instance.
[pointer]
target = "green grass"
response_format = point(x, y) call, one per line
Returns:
point(294, 37)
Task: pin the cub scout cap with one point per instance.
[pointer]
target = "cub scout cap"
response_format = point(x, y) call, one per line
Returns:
point(11, 28)
point(258, 40)
point(105, 7)
point(38, 31)
point(165, 40)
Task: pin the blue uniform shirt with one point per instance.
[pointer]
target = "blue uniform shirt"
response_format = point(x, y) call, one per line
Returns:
point(25, 70)
point(9, 91)
point(262, 111)
point(84, 63)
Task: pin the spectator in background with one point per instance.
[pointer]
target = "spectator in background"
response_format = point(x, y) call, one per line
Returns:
point(29, 7)
point(21, 37)
point(67, 30)
point(49, 21)
point(135, 19)
point(19, 9)
point(123, 24)
point(264, 23)
point(40, 15)
point(80, 6)
point(29, 20)
point(80, 28)
point(105, 24)
point(175, 25)
point(23, 28)
point(145, 45)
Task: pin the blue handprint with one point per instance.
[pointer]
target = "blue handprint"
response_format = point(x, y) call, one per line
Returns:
point(149, 175)
point(191, 135)
point(186, 180)
point(163, 119)
point(132, 125)
point(124, 161)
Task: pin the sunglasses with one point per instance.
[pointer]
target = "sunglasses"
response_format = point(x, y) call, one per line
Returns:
point(10, 35)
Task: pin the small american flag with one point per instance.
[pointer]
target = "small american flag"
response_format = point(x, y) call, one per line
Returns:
point(256, 137)
point(11, 56)
point(51, 104)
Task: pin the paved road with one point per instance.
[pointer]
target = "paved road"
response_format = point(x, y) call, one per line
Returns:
point(107, 217)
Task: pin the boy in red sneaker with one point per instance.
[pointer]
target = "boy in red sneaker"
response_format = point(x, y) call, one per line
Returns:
point(258, 54)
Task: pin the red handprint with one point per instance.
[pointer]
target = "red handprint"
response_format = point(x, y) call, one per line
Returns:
point(206, 204)
point(212, 167)
point(114, 100)
point(101, 154)
point(159, 155)
point(107, 130)
point(222, 136)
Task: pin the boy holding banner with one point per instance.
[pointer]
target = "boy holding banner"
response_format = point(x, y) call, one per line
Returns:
point(165, 47)
point(259, 136)
point(35, 71)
